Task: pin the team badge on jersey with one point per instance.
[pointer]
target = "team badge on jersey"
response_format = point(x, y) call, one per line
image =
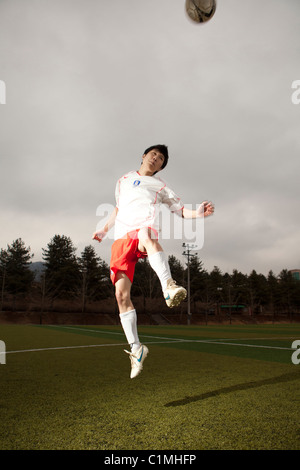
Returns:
point(136, 182)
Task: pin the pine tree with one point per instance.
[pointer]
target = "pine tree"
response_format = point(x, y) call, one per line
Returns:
point(62, 274)
point(198, 277)
point(95, 283)
point(16, 276)
point(214, 286)
point(288, 287)
point(257, 291)
point(146, 282)
point(177, 270)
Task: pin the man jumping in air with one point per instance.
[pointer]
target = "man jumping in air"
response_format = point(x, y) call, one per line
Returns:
point(139, 195)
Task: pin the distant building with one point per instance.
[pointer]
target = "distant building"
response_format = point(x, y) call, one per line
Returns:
point(295, 273)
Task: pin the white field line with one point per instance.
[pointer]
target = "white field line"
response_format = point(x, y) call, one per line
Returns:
point(176, 339)
point(64, 347)
point(166, 341)
point(114, 333)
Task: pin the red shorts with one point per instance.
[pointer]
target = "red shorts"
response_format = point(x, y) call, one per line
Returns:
point(124, 256)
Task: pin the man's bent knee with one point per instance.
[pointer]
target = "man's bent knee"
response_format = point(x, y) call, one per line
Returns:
point(148, 241)
point(122, 292)
point(122, 296)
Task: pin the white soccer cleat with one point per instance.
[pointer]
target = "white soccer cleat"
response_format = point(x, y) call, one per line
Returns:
point(174, 294)
point(137, 360)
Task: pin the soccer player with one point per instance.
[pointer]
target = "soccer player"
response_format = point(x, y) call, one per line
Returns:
point(136, 219)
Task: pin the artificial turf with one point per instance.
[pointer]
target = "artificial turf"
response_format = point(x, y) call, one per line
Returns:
point(193, 394)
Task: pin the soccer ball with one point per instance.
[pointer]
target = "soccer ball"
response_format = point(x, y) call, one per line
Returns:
point(200, 11)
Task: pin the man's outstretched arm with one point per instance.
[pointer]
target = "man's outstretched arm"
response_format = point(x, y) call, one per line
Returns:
point(204, 210)
point(100, 234)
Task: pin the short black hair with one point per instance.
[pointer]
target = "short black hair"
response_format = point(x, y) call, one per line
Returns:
point(162, 149)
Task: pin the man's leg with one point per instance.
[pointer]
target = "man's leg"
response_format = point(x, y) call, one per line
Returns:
point(156, 256)
point(158, 261)
point(127, 311)
point(128, 320)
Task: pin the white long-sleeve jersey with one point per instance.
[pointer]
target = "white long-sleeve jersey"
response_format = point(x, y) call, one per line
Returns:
point(138, 199)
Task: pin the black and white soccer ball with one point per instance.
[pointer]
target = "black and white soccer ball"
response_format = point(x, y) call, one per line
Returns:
point(200, 11)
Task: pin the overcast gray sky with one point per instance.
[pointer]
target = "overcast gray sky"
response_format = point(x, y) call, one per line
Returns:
point(91, 83)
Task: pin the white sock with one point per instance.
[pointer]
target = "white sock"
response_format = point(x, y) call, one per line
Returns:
point(159, 263)
point(129, 324)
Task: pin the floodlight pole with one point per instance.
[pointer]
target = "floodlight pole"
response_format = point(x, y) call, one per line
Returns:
point(187, 253)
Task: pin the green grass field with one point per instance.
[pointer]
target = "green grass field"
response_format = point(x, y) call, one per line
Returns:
point(202, 388)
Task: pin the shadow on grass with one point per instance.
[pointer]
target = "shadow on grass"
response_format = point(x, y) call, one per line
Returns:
point(246, 386)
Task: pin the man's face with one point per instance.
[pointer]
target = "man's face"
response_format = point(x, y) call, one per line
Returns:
point(153, 160)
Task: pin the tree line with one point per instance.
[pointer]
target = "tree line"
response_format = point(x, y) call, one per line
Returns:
point(86, 279)
point(63, 275)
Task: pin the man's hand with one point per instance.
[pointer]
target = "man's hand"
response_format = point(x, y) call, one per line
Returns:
point(205, 209)
point(99, 235)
